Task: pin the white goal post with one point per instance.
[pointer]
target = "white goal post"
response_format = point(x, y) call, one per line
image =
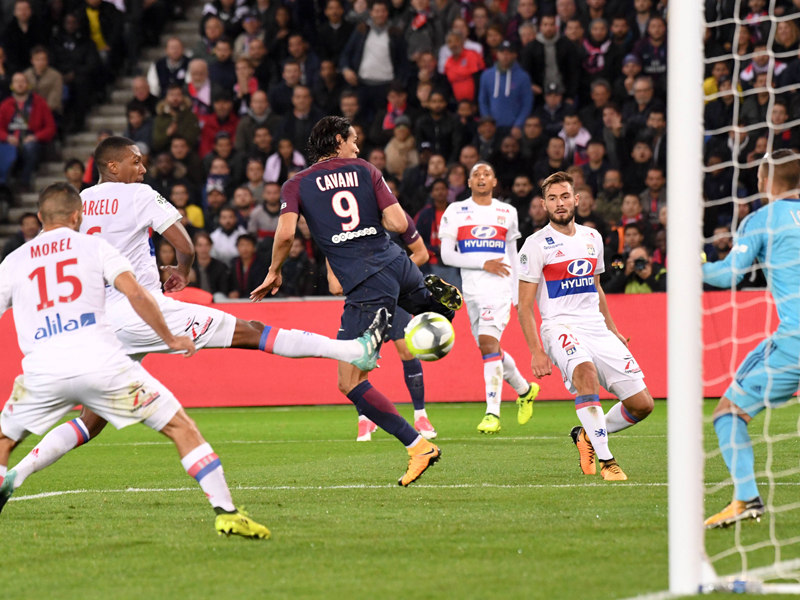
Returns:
point(684, 295)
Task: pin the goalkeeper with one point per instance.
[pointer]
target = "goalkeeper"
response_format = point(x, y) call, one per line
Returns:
point(770, 373)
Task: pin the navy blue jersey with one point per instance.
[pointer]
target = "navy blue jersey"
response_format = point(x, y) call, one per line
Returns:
point(342, 200)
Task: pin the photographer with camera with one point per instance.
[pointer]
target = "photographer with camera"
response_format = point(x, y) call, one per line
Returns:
point(636, 274)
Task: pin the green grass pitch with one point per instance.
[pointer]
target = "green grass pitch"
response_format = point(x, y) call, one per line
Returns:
point(506, 516)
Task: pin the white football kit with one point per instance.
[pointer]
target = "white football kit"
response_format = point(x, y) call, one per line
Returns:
point(57, 286)
point(484, 233)
point(123, 214)
point(573, 328)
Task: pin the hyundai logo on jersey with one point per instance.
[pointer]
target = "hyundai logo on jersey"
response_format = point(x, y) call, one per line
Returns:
point(580, 267)
point(482, 238)
point(483, 232)
point(570, 277)
point(55, 325)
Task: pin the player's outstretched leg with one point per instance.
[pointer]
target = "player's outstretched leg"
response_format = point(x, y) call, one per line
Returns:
point(295, 343)
point(200, 461)
point(737, 451)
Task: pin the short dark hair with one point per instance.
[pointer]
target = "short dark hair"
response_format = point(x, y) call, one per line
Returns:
point(58, 201)
point(247, 237)
point(557, 177)
point(73, 162)
point(111, 149)
point(633, 225)
point(322, 141)
point(202, 234)
point(28, 215)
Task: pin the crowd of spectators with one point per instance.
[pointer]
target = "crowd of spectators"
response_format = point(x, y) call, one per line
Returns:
point(433, 86)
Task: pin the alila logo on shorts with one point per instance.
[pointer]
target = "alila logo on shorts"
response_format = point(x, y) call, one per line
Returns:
point(56, 324)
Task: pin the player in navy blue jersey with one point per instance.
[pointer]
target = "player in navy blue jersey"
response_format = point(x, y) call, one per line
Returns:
point(412, 366)
point(349, 208)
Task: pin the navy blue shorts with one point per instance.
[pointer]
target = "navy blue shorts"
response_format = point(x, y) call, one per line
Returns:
point(399, 283)
point(399, 321)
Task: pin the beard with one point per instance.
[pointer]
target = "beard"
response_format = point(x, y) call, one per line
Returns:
point(561, 219)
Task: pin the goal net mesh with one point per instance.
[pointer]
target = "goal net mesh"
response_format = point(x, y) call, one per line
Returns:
point(752, 109)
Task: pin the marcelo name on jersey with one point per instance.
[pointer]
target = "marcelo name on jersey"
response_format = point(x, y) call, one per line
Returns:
point(574, 276)
point(482, 238)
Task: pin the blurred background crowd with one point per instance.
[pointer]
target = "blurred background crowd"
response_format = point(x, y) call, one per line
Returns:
point(431, 86)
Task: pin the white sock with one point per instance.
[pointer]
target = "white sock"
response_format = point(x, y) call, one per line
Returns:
point(590, 413)
point(512, 375)
point(493, 377)
point(204, 465)
point(295, 343)
point(618, 418)
point(416, 441)
point(53, 446)
point(420, 413)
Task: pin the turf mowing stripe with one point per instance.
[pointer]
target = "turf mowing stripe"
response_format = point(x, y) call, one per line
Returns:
point(381, 440)
point(275, 488)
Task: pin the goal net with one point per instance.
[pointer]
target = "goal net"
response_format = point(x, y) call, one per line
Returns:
point(744, 54)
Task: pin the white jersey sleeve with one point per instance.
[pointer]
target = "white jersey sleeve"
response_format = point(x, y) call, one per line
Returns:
point(124, 214)
point(5, 287)
point(447, 226)
point(531, 261)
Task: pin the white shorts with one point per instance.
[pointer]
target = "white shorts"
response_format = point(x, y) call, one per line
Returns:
point(208, 327)
point(123, 395)
point(569, 346)
point(488, 315)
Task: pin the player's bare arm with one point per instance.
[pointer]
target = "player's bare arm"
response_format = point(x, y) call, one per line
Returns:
point(607, 313)
point(178, 279)
point(284, 234)
point(146, 307)
point(334, 285)
point(419, 253)
point(394, 218)
point(497, 266)
point(540, 362)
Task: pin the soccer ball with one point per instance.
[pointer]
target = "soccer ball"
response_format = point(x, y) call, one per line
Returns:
point(429, 336)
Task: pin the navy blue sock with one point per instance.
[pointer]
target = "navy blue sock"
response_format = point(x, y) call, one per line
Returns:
point(412, 370)
point(380, 410)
